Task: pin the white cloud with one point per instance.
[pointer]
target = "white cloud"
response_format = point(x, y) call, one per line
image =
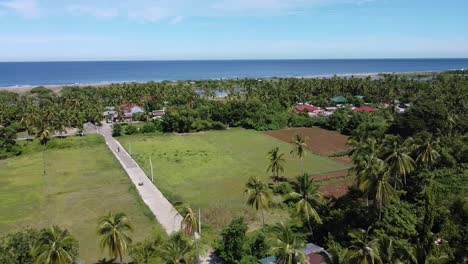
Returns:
point(24, 8)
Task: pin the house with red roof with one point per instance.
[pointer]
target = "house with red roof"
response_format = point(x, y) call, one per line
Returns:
point(367, 109)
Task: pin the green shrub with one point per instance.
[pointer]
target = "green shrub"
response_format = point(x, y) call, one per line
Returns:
point(282, 188)
point(130, 130)
point(148, 128)
point(116, 130)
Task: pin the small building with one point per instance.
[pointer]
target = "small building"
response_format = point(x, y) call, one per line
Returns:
point(131, 108)
point(110, 115)
point(311, 250)
point(367, 109)
point(308, 108)
point(339, 99)
point(156, 114)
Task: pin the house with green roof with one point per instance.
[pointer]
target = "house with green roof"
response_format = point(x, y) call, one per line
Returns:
point(339, 99)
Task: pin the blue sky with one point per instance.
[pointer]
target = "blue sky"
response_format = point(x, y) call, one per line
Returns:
point(34, 30)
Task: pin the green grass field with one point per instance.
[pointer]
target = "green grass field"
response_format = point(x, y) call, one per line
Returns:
point(75, 182)
point(210, 169)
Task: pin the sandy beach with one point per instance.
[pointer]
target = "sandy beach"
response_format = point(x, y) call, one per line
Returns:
point(59, 87)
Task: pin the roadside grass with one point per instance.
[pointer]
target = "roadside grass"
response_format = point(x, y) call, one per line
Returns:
point(72, 183)
point(209, 169)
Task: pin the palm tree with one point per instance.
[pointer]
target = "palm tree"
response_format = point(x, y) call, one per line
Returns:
point(189, 222)
point(363, 249)
point(425, 149)
point(307, 197)
point(54, 246)
point(287, 245)
point(389, 253)
point(299, 149)
point(258, 195)
point(419, 255)
point(395, 152)
point(114, 232)
point(276, 162)
point(335, 254)
point(178, 250)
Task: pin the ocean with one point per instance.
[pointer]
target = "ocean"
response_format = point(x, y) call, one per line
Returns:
point(14, 74)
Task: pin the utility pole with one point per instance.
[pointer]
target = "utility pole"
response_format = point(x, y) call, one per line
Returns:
point(199, 221)
point(151, 168)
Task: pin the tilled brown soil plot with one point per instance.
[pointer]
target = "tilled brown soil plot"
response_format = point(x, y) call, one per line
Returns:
point(323, 142)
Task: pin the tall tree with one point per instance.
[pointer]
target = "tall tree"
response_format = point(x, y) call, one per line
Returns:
point(55, 246)
point(189, 222)
point(299, 149)
point(396, 154)
point(287, 245)
point(114, 230)
point(335, 254)
point(178, 250)
point(363, 249)
point(425, 149)
point(276, 162)
point(307, 198)
point(258, 195)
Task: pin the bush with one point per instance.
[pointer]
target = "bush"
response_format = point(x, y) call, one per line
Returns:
point(282, 188)
point(130, 130)
point(148, 128)
point(117, 130)
point(231, 247)
point(216, 125)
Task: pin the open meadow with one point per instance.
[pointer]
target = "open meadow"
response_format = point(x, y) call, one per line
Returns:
point(210, 169)
point(72, 184)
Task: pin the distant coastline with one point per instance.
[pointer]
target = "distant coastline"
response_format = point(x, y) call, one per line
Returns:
point(25, 75)
point(58, 87)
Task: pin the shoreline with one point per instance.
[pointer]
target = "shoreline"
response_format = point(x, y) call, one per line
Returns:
point(58, 87)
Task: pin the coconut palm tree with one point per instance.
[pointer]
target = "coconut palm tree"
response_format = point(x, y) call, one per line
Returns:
point(276, 162)
point(258, 195)
point(287, 245)
point(178, 250)
point(335, 254)
point(419, 255)
point(299, 149)
point(114, 230)
point(307, 198)
point(189, 222)
point(55, 246)
point(363, 249)
point(395, 153)
point(425, 152)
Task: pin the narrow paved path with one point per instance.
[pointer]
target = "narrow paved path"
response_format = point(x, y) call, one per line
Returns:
point(165, 213)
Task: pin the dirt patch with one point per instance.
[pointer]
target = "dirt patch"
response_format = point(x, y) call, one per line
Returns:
point(331, 175)
point(336, 189)
point(321, 141)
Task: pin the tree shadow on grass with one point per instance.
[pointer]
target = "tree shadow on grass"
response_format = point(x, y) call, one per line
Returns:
point(105, 261)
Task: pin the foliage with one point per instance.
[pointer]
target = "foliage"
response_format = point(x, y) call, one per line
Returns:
point(114, 232)
point(55, 246)
point(8, 146)
point(17, 247)
point(258, 195)
point(231, 247)
point(287, 245)
point(116, 130)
